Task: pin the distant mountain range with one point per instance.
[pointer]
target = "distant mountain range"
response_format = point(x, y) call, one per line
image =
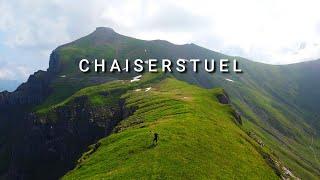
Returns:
point(9, 85)
point(263, 123)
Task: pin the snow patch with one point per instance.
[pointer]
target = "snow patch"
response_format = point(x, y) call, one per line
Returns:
point(148, 89)
point(136, 78)
point(230, 80)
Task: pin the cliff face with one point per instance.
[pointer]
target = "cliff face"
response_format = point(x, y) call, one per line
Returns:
point(29, 93)
point(34, 146)
point(54, 63)
point(53, 142)
point(35, 90)
point(16, 126)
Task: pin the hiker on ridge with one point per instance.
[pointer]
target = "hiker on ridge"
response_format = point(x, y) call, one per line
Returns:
point(155, 138)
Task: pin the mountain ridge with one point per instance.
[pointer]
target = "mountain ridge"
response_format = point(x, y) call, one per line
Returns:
point(277, 104)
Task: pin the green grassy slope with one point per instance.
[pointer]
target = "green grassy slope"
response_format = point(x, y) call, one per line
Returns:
point(278, 103)
point(198, 139)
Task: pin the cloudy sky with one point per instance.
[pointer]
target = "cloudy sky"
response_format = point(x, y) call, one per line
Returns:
point(270, 31)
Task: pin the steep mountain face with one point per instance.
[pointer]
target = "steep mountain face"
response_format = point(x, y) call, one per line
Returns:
point(279, 105)
point(31, 92)
point(56, 140)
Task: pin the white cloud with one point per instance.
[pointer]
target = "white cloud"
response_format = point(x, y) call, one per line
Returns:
point(260, 30)
point(5, 73)
point(268, 30)
point(14, 72)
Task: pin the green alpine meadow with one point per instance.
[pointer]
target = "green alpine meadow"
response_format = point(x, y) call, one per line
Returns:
point(198, 138)
point(262, 123)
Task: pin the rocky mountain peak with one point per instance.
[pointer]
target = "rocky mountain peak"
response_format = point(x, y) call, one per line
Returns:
point(104, 32)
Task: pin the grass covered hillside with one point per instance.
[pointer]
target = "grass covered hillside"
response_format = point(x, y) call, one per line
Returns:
point(198, 138)
point(278, 103)
point(68, 110)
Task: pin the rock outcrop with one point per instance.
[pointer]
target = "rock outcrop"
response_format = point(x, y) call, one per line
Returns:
point(61, 136)
point(237, 117)
point(32, 92)
point(36, 89)
point(223, 98)
point(54, 63)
